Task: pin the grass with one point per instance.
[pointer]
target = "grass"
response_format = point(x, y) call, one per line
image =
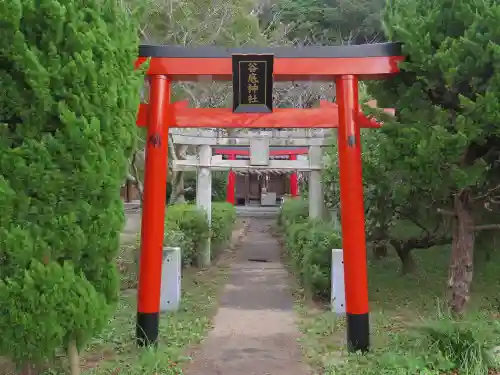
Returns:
point(400, 305)
point(114, 351)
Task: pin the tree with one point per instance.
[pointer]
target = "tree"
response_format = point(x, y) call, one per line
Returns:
point(391, 203)
point(387, 202)
point(229, 23)
point(67, 109)
point(330, 21)
point(446, 142)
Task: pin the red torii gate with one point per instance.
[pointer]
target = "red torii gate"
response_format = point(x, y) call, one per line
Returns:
point(342, 64)
point(232, 154)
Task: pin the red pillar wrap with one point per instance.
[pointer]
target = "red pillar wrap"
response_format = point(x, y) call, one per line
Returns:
point(231, 181)
point(155, 189)
point(353, 215)
point(351, 197)
point(294, 180)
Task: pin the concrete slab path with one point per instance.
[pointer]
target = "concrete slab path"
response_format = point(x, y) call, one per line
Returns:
point(254, 330)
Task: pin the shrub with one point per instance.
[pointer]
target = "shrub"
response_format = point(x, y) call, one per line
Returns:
point(186, 227)
point(293, 211)
point(175, 237)
point(223, 219)
point(464, 345)
point(192, 223)
point(67, 110)
point(309, 245)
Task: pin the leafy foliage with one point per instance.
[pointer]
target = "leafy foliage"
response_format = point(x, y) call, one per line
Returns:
point(186, 227)
point(67, 117)
point(441, 151)
point(332, 21)
point(192, 222)
point(445, 136)
point(222, 223)
point(309, 245)
point(293, 211)
point(446, 96)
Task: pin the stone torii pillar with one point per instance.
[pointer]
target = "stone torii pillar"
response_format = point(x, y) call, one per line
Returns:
point(204, 194)
point(316, 197)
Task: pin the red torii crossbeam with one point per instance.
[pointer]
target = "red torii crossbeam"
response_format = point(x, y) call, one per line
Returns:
point(344, 65)
point(232, 152)
point(179, 115)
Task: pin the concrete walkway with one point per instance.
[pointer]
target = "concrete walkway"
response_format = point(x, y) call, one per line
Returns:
point(132, 227)
point(254, 330)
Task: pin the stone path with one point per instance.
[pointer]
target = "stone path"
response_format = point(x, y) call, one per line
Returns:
point(254, 330)
point(132, 226)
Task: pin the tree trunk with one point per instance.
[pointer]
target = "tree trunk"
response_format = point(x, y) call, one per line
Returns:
point(462, 254)
point(403, 249)
point(29, 369)
point(73, 358)
point(380, 242)
point(179, 152)
point(177, 195)
point(181, 198)
point(408, 264)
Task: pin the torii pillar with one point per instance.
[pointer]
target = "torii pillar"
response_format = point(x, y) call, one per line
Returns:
point(231, 182)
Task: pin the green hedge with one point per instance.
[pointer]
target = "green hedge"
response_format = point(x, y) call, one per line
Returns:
point(309, 245)
point(186, 226)
point(223, 219)
point(293, 211)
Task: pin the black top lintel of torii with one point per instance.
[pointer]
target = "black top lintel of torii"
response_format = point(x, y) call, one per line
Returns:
point(344, 51)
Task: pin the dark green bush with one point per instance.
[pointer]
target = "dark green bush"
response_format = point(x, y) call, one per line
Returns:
point(309, 245)
point(192, 222)
point(186, 226)
point(175, 237)
point(223, 219)
point(67, 127)
point(293, 211)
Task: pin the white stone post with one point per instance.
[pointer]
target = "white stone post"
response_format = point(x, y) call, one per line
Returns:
point(316, 198)
point(204, 195)
point(338, 287)
point(170, 295)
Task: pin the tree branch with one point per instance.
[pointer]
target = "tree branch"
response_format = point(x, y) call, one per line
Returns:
point(446, 212)
point(135, 175)
point(483, 196)
point(487, 227)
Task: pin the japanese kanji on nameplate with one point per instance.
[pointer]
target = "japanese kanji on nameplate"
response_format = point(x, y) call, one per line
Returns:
point(253, 83)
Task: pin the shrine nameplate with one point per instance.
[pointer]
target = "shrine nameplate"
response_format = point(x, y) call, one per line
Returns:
point(253, 83)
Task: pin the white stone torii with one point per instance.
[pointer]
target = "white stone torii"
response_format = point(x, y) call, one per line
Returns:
point(204, 162)
point(295, 137)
